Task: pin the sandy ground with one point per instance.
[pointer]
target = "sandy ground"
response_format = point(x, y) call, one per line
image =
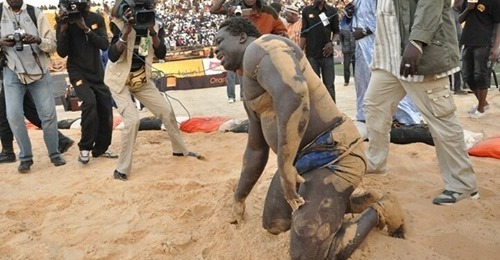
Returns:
point(178, 208)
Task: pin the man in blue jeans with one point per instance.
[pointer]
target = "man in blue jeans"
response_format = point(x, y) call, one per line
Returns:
point(7, 137)
point(26, 45)
point(320, 31)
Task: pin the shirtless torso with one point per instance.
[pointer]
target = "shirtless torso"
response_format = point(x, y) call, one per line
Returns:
point(320, 156)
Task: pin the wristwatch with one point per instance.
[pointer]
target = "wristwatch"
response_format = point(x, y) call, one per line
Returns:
point(365, 32)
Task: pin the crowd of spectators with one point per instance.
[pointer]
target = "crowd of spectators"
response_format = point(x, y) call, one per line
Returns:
point(189, 23)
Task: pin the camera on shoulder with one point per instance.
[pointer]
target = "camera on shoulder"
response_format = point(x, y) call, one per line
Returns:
point(142, 17)
point(73, 8)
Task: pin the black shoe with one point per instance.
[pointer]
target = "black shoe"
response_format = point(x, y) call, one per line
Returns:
point(192, 154)
point(7, 157)
point(119, 176)
point(25, 166)
point(65, 144)
point(58, 161)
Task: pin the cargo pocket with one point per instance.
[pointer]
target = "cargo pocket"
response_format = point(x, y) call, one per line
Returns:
point(441, 101)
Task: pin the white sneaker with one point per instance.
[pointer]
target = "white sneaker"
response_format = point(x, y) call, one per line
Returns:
point(231, 100)
point(474, 109)
point(477, 114)
point(84, 156)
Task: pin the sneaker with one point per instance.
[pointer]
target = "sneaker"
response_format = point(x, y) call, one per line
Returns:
point(474, 109)
point(231, 100)
point(478, 114)
point(449, 197)
point(7, 157)
point(119, 176)
point(106, 154)
point(346, 83)
point(84, 156)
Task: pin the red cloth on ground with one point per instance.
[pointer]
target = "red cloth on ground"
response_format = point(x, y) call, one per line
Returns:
point(490, 147)
point(203, 124)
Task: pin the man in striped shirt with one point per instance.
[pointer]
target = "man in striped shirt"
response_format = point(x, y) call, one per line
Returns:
point(416, 49)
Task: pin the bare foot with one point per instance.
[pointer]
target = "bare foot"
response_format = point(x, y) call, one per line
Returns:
point(390, 215)
point(238, 212)
point(362, 199)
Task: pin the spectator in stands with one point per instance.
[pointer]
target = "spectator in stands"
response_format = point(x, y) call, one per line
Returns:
point(27, 71)
point(320, 32)
point(293, 23)
point(128, 72)
point(82, 42)
point(482, 20)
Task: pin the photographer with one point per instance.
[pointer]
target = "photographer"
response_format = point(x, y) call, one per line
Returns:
point(136, 39)
point(26, 45)
point(81, 34)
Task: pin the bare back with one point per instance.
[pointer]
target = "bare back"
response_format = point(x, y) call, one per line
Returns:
point(290, 69)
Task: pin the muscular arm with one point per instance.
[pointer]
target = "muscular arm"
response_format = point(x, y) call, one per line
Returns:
point(254, 159)
point(290, 98)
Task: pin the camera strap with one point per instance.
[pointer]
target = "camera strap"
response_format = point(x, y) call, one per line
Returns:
point(37, 59)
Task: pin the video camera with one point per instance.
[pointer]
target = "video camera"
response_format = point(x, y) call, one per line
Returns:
point(142, 17)
point(73, 8)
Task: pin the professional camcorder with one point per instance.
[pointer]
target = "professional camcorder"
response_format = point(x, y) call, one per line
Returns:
point(142, 17)
point(73, 8)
